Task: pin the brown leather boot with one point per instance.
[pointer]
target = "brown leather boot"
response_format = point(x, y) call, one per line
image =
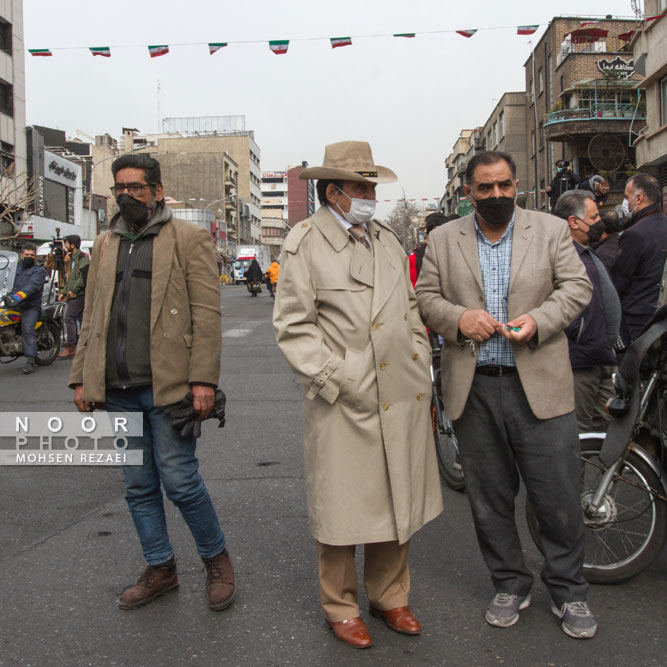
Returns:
point(220, 581)
point(155, 581)
point(67, 352)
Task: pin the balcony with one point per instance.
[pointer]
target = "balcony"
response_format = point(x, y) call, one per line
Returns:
point(602, 117)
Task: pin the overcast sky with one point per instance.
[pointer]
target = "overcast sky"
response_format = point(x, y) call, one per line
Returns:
point(408, 97)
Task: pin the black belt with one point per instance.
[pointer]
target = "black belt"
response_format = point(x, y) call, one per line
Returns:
point(496, 371)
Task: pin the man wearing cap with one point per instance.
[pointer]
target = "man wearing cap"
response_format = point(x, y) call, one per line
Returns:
point(346, 320)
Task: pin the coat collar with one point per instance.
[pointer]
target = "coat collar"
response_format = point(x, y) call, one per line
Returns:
point(522, 237)
point(387, 270)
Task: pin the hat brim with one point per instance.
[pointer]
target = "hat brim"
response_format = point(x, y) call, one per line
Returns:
point(384, 175)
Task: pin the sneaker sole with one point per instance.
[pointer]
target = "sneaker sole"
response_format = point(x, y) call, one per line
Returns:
point(582, 634)
point(497, 623)
point(223, 605)
point(128, 607)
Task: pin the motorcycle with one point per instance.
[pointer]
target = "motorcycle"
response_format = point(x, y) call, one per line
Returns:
point(49, 326)
point(254, 287)
point(624, 473)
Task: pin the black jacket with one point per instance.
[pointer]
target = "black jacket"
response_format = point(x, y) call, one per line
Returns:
point(588, 337)
point(31, 283)
point(563, 181)
point(637, 271)
point(254, 273)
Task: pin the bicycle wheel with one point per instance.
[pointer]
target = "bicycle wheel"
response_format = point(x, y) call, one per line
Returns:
point(447, 448)
point(626, 534)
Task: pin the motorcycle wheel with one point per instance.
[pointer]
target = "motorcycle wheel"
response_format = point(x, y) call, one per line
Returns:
point(446, 448)
point(48, 343)
point(629, 530)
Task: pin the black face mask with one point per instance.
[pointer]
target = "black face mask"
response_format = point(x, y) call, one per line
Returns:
point(28, 262)
point(134, 212)
point(595, 232)
point(496, 211)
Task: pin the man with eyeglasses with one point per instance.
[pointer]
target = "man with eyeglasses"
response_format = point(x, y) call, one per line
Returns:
point(151, 335)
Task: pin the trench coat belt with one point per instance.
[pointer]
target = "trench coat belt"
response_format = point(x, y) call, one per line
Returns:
point(495, 371)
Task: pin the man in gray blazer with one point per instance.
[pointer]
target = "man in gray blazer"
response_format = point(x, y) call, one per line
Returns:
point(501, 285)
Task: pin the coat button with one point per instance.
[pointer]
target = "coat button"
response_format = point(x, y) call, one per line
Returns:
point(382, 365)
point(173, 311)
point(415, 356)
point(385, 406)
point(405, 316)
point(420, 396)
point(166, 335)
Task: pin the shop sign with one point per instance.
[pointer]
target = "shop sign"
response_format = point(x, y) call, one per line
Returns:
point(618, 68)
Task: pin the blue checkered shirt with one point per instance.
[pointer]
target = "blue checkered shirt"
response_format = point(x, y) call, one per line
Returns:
point(495, 260)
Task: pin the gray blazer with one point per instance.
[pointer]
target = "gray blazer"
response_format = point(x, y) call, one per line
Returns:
point(547, 281)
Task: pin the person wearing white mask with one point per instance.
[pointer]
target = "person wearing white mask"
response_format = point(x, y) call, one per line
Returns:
point(346, 320)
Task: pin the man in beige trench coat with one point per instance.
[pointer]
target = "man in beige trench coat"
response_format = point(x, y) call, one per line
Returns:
point(347, 322)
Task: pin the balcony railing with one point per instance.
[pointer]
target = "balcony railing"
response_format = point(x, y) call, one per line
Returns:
point(604, 111)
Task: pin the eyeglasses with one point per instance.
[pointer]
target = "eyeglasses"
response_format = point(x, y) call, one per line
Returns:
point(135, 189)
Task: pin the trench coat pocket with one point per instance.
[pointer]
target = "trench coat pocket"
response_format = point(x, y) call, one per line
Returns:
point(353, 368)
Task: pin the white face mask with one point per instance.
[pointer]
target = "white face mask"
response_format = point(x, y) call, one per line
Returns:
point(625, 206)
point(361, 210)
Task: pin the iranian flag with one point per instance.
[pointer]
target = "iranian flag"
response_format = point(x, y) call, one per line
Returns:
point(340, 41)
point(527, 29)
point(103, 51)
point(404, 34)
point(466, 33)
point(215, 46)
point(158, 50)
point(279, 46)
point(40, 52)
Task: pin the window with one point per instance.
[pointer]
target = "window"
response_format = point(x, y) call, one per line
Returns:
point(663, 101)
point(531, 91)
point(6, 37)
point(532, 142)
point(541, 128)
point(6, 98)
point(501, 125)
point(540, 81)
point(550, 81)
point(6, 155)
point(489, 138)
point(495, 134)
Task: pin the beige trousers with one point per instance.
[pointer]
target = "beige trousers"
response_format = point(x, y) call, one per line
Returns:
point(386, 578)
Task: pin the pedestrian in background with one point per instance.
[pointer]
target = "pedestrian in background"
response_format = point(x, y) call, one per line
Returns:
point(501, 285)
point(272, 274)
point(564, 180)
point(416, 257)
point(593, 333)
point(607, 247)
point(73, 293)
point(346, 320)
point(642, 248)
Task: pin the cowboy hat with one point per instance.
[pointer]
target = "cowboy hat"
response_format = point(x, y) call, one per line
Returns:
point(349, 161)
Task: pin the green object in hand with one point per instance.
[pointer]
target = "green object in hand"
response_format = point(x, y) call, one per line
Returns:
point(515, 329)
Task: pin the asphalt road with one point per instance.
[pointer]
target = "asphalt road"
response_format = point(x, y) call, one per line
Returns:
point(68, 548)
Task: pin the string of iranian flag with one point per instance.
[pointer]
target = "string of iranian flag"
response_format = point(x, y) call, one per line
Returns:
point(280, 46)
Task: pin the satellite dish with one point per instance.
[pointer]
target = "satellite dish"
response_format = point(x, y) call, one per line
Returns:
point(606, 152)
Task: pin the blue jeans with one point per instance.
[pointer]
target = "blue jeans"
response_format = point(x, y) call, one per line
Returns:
point(29, 317)
point(169, 459)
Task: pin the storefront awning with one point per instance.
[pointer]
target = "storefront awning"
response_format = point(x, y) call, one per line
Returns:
point(587, 35)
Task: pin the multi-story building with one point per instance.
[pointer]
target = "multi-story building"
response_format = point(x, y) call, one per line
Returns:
point(286, 196)
point(454, 200)
point(58, 182)
point(650, 54)
point(583, 102)
point(13, 165)
point(203, 160)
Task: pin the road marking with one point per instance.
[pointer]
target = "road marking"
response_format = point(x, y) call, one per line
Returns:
point(236, 333)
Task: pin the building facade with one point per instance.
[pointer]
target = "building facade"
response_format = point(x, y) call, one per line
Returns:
point(650, 54)
point(583, 103)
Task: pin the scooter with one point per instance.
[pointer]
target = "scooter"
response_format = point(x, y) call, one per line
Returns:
point(623, 489)
point(254, 287)
point(49, 326)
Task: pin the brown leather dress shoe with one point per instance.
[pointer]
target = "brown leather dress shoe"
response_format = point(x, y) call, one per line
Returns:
point(153, 582)
point(220, 581)
point(400, 619)
point(352, 631)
